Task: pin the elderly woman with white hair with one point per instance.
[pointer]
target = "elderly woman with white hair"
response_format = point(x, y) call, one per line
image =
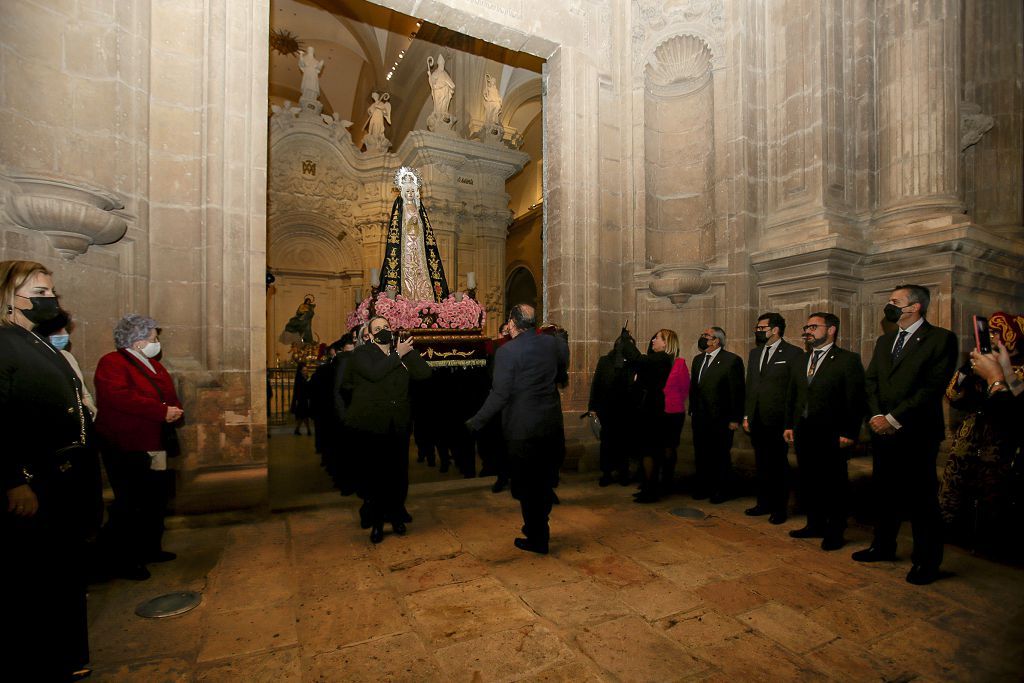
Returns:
point(136, 399)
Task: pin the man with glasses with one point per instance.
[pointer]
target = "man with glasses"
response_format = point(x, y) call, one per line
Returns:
point(826, 411)
point(769, 379)
point(716, 406)
point(906, 381)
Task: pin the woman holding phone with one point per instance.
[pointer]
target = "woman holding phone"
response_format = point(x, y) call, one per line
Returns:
point(378, 376)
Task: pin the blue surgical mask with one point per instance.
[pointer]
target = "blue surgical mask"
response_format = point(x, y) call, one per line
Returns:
point(59, 341)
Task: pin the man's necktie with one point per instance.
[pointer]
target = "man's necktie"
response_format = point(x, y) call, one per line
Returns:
point(764, 359)
point(703, 364)
point(813, 366)
point(899, 344)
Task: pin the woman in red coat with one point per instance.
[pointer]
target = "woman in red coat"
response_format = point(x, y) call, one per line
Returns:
point(136, 398)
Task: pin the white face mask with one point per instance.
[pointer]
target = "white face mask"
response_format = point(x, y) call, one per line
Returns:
point(151, 350)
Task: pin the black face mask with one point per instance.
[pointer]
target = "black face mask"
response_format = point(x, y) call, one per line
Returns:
point(382, 336)
point(760, 337)
point(892, 313)
point(44, 308)
point(702, 343)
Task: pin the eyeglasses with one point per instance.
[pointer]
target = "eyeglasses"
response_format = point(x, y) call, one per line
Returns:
point(808, 328)
point(762, 328)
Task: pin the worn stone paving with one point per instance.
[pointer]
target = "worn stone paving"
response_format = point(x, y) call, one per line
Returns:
point(629, 593)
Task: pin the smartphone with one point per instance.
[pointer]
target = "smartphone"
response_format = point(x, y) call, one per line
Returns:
point(982, 340)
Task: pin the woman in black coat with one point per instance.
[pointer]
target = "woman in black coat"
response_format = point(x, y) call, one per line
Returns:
point(379, 414)
point(49, 487)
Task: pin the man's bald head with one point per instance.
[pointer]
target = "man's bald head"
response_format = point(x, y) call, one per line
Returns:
point(523, 317)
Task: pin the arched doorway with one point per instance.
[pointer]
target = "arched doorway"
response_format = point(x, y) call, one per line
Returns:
point(520, 288)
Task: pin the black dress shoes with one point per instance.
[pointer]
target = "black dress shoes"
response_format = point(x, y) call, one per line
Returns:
point(756, 511)
point(136, 572)
point(699, 495)
point(873, 554)
point(718, 498)
point(645, 497)
point(499, 485)
point(806, 532)
point(777, 518)
point(920, 575)
point(364, 517)
point(833, 543)
point(531, 547)
point(406, 517)
point(398, 528)
point(377, 533)
point(605, 480)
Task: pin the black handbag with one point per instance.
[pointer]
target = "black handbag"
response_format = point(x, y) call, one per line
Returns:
point(168, 432)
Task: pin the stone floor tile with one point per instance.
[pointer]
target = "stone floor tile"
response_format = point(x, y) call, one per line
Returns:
point(692, 574)
point(431, 543)
point(613, 570)
point(399, 658)
point(730, 596)
point(503, 656)
point(432, 573)
point(860, 617)
point(752, 657)
point(245, 631)
point(334, 548)
point(703, 542)
point(118, 635)
point(657, 554)
point(572, 604)
point(164, 670)
point(800, 590)
point(328, 620)
point(276, 666)
point(526, 571)
point(630, 650)
point(931, 651)
point(579, 670)
point(325, 581)
point(658, 598)
point(466, 610)
point(701, 628)
point(229, 589)
point(787, 627)
point(845, 660)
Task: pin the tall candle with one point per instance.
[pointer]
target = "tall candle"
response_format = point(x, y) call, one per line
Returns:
point(374, 277)
point(470, 280)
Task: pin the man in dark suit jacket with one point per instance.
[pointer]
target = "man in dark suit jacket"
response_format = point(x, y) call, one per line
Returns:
point(825, 412)
point(526, 371)
point(716, 405)
point(906, 380)
point(769, 379)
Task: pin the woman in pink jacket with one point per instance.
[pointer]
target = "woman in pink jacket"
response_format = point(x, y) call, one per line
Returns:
point(677, 389)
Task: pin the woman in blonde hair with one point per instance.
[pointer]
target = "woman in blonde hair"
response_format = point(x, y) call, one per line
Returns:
point(659, 429)
point(46, 500)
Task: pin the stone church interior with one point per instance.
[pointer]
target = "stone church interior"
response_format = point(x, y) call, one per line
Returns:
point(235, 172)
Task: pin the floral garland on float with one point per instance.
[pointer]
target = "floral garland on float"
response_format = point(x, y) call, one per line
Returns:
point(456, 312)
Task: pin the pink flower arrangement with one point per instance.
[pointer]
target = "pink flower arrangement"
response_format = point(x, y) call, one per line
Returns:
point(404, 314)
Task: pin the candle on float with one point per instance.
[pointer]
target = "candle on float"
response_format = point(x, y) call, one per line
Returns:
point(470, 280)
point(374, 277)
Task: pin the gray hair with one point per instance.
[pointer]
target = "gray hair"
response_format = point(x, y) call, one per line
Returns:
point(719, 334)
point(132, 328)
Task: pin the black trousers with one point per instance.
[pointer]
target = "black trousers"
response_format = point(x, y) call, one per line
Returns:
point(493, 452)
point(771, 458)
point(824, 478)
point(531, 462)
point(712, 443)
point(135, 528)
point(614, 444)
point(42, 584)
point(906, 487)
point(386, 472)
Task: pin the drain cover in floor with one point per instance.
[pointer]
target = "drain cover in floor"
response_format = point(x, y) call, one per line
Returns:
point(689, 513)
point(169, 605)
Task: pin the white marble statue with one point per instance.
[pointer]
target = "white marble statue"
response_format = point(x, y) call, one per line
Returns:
point(442, 87)
point(380, 114)
point(492, 100)
point(310, 67)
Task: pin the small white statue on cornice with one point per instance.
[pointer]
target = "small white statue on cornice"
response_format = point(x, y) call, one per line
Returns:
point(442, 87)
point(492, 100)
point(338, 127)
point(379, 114)
point(310, 67)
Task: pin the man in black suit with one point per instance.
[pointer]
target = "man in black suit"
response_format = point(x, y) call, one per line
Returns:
point(716, 405)
point(526, 370)
point(769, 378)
point(905, 381)
point(825, 412)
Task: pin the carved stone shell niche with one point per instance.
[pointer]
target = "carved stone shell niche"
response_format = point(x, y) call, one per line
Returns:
point(679, 166)
point(73, 216)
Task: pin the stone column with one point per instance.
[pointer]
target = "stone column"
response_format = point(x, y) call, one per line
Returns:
point(918, 67)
